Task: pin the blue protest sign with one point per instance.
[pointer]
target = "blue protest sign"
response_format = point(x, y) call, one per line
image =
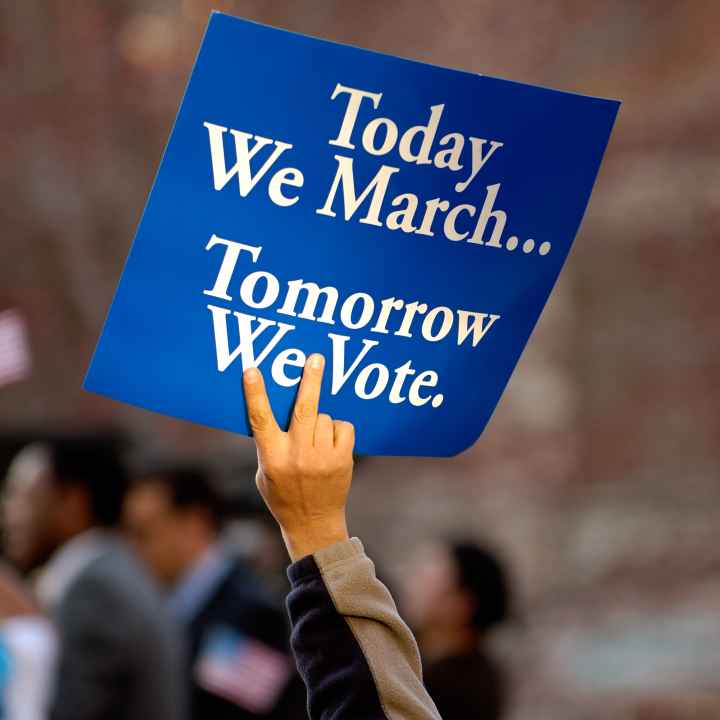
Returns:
point(405, 220)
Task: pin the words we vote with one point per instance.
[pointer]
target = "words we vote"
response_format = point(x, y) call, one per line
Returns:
point(320, 304)
point(400, 218)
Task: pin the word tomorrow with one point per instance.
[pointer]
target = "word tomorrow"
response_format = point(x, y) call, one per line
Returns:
point(260, 290)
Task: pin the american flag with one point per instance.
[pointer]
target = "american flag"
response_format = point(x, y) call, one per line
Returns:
point(242, 669)
point(14, 348)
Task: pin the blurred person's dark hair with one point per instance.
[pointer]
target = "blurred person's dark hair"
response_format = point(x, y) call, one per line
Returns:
point(456, 591)
point(187, 487)
point(95, 464)
point(58, 486)
point(481, 575)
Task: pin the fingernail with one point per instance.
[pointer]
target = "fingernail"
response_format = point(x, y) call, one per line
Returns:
point(316, 361)
point(252, 375)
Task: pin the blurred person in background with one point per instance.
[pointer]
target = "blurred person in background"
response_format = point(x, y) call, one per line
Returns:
point(238, 664)
point(27, 653)
point(118, 655)
point(456, 593)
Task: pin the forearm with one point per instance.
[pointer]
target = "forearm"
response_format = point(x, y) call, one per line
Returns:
point(356, 655)
point(313, 536)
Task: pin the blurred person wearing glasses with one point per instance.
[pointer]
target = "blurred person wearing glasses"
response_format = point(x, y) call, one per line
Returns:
point(118, 655)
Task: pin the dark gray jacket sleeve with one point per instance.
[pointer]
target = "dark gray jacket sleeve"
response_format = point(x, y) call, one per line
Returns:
point(92, 667)
point(356, 655)
point(114, 659)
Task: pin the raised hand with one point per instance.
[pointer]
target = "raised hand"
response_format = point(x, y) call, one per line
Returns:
point(304, 474)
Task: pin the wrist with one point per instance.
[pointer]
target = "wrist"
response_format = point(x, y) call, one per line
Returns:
point(314, 536)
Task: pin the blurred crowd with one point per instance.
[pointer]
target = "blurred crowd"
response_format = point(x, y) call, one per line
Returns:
point(136, 590)
point(132, 594)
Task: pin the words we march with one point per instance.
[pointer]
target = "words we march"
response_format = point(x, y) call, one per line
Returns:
point(255, 337)
point(379, 137)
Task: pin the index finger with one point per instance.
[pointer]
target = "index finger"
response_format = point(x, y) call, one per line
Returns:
point(262, 421)
point(305, 412)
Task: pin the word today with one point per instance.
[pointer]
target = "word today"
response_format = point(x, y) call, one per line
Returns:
point(416, 146)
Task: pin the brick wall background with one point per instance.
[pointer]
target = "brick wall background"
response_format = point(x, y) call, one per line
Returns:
point(599, 476)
